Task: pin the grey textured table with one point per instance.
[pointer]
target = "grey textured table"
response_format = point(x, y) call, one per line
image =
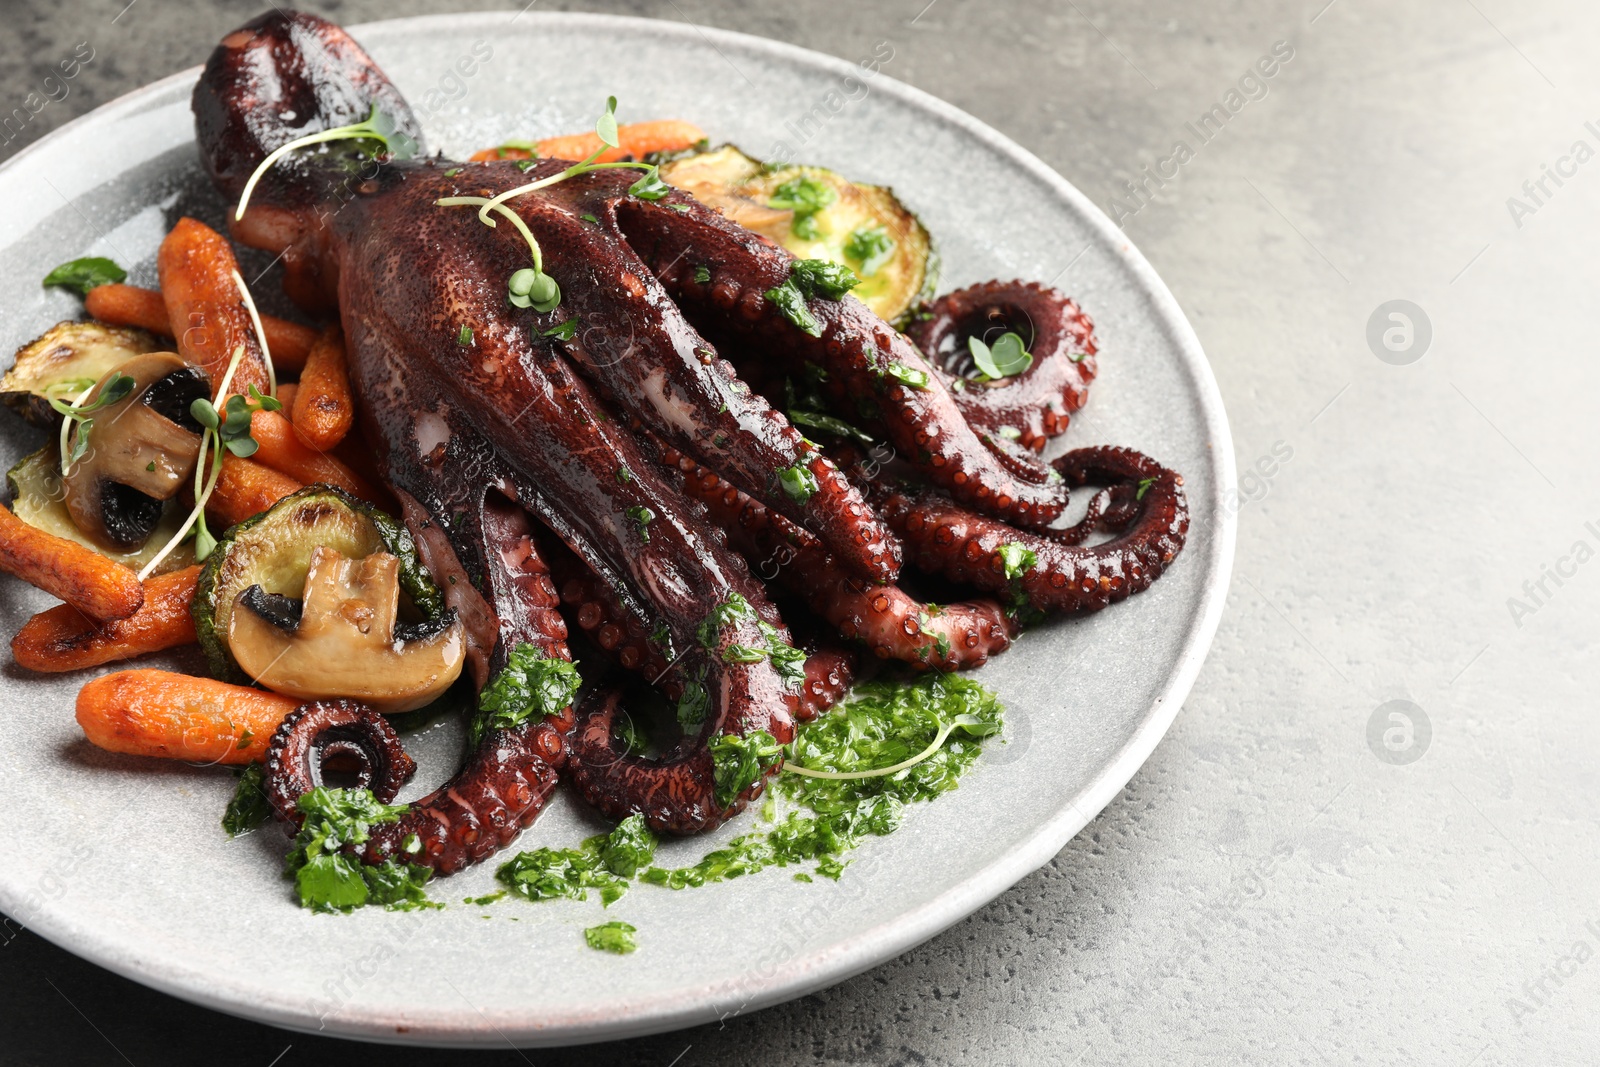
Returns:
point(1371, 834)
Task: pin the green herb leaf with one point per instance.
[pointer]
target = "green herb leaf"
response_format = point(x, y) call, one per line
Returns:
point(791, 303)
point(248, 808)
point(555, 874)
point(464, 338)
point(817, 420)
point(563, 331)
point(805, 197)
point(532, 685)
point(1017, 559)
point(726, 613)
point(605, 126)
point(81, 275)
point(611, 937)
point(870, 246)
point(642, 518)
point(650, 186)
point(702, 275)
point(798, 483)
point(1004, 359)
point(1144, 487)
point(738, 762)
point(819, 277)
point(452, 172)
point(116, 390)
point(911, 376)
point(629, 848)
point(692, 707)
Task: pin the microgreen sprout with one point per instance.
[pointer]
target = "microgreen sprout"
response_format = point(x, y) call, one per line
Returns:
point(1006, 358)
point(78, 413)
point(536, 289)
point(377, 127)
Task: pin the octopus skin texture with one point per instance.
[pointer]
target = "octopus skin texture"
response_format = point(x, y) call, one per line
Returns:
point(606, 466)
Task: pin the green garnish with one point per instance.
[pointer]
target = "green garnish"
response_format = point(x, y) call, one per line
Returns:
point(818, 420)
point(807, 407)
point(486, 899)
point(377, 127)
point(798, 483)
point(642, 518)
point(540, 290)
point(805, 197)
point(116, 390)
point(589, 218)
point(248, 808)
point(531, 685)
point(563, 331)
point(738, 762)
point(629, 736)
point(692, 707)
point(1017, 559)
point(624, 476)
point(151, 466)
point(517, 146)
point(808, 279)
point(1144, 487)
point(81, 275)
point(452, 172)
point(870, 246)
point(911, 376)
point(525, 165)
point(328, 880)
point(464, 338)
point(629, 848)
point(730, 611)
point(1006, 358)
point(611, 937)
point(702, 275)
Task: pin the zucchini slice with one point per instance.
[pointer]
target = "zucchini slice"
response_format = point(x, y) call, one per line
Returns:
point(818, 214)
point(38, 499)
point(67, 359)
point(273, 550)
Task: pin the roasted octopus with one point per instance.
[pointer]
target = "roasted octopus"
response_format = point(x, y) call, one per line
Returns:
point(618, 475)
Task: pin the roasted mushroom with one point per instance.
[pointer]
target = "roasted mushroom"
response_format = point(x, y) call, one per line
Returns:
point(344, 637)
point(141, 451)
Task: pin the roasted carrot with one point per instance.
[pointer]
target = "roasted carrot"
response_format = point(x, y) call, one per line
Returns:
point(286, 394)
point(281, 450)
point(205, 307)
point(323, 410)
point(245, 488)
point(65, 639)
point(129, 305)
point(637, 139)
point(176, 716)
point(82, 577)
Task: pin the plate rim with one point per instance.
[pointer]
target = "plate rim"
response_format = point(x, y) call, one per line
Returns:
point(694, 1005)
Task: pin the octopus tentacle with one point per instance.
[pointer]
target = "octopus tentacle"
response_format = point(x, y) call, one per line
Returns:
point(1037, 404)
point(966, 547)
point(885, 618)
point(867, 361)
point(343, 732)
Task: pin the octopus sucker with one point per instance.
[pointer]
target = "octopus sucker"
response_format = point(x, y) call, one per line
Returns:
point(621, 465)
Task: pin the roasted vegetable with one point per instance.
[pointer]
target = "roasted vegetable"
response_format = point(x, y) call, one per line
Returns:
point(134, 454)
point(179, 716)
point(38, 500)
point(817, 214)
point(62, 638)
point(66, 360)
point(274, 550)
point(343, 637)
point(82, 577)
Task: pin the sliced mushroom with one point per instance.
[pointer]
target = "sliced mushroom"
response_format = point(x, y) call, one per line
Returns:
point(344, 639)
point(141, 451)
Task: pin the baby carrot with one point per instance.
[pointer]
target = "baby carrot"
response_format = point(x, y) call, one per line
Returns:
point(82, 577)
point(64, 639)
point(177, 716)
point(322, 410)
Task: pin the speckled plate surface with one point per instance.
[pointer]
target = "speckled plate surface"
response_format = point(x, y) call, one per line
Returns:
point(123, 862)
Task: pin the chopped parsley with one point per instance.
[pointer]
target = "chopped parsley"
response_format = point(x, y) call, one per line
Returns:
point(642, 518)
point(589, 218)
point(909, 375)
point(692, 707)
point(1144, 487)
point(464, 338)
point(248, 808)
point(808, 279)
point(328, 880)
point(729, 611)
point(1017, 559)
point(611, 937)
point(532, 685)
point(739, 762)
point(870, 246)
point(798, 483)
point(624, 476)
point(806, 197)
point(702, 275)
point(452, 172)
point(563, 331)
point(604, 863)
point(81, 275)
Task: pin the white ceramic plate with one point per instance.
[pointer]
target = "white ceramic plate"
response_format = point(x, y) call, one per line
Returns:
point(122, 860)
